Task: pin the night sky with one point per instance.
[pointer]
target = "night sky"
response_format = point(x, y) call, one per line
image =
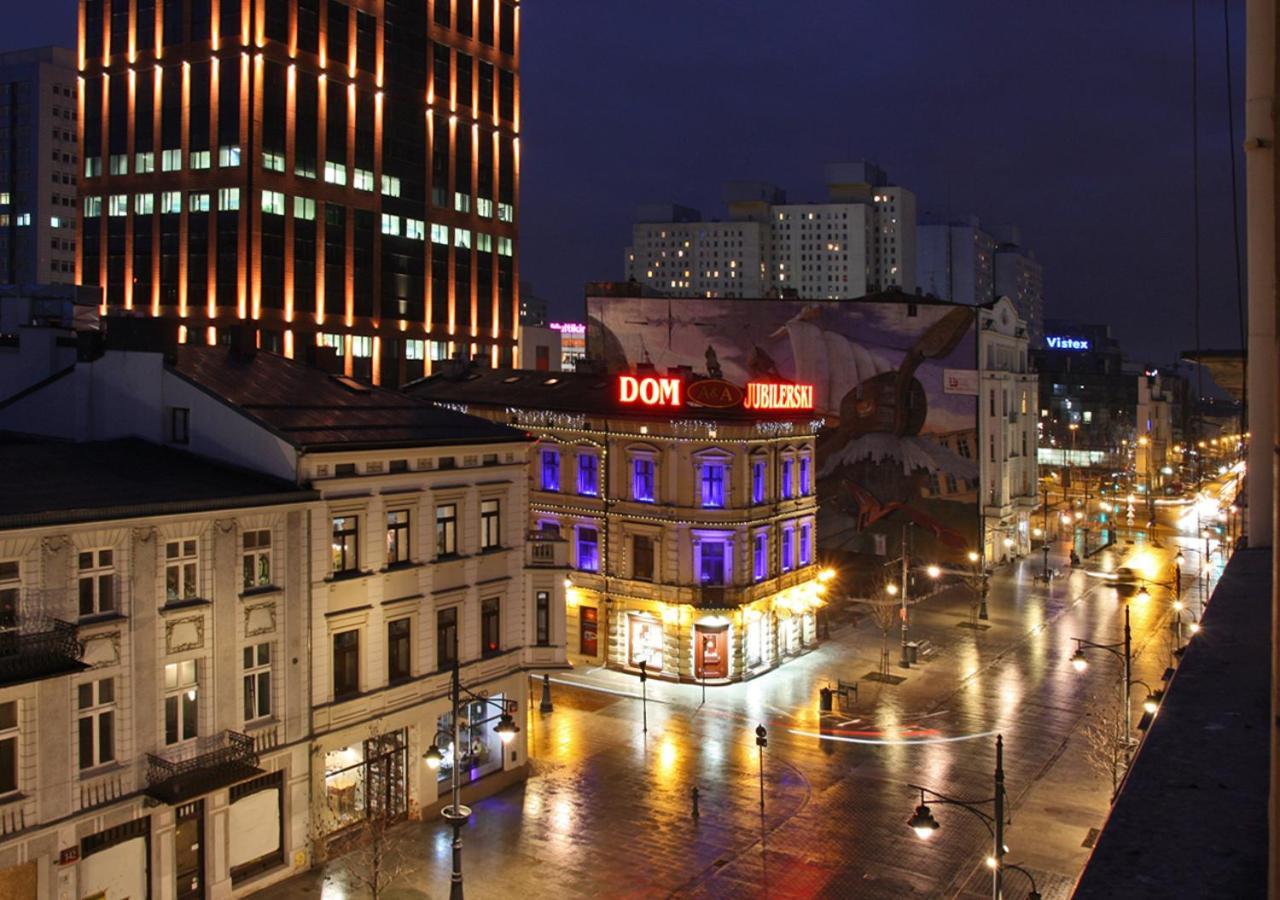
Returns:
point(1071, 120)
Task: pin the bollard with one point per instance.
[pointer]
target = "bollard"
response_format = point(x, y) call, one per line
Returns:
point(694, 795)
point(824, 699)
point(545, 705)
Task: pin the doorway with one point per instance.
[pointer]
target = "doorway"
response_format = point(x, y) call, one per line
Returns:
point(713, 651)
point(188, 851)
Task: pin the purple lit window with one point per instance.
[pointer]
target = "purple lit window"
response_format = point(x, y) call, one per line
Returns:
point(713, 485)
point(804, 476)
point(787, 488)
point(551, 470)
point(757, 481)
point(642, 480)
point(806, 546)
point(588, 550)
point(588, 475)
point(760, 558)
point(788, 544)
point(713, 562)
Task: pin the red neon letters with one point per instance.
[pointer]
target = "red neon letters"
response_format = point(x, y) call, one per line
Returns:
point(649, 390)
point(768, 395)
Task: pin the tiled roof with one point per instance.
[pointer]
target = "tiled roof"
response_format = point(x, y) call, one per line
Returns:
point(312, 409)
point(46, 481)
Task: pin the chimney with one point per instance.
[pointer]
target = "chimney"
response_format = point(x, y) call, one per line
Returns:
point(323, 358)
point(244, 341)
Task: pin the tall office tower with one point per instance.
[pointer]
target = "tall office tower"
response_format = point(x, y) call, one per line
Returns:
point(338, 174)
point(860, 240)
point(956, 260)
point(38, 163)
point(1019, 276)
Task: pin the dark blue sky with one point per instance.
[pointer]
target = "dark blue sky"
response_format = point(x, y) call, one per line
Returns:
point(1072, 120)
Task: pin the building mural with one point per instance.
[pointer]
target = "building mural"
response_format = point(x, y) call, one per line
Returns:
point(895, 382)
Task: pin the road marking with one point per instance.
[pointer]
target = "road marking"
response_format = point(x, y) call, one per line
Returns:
point(891, 742)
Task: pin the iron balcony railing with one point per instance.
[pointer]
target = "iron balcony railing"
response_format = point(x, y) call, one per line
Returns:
point(217, 761)
point(37, 647)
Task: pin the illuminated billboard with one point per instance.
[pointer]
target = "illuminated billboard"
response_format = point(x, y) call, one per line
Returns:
point(895, 383)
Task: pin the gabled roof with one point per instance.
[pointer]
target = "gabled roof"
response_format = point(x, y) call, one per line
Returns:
point(314, 410)
point(44, 481)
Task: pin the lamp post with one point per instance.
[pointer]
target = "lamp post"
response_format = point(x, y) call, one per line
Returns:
point(905, 661)
point(1122, 651)
point(762, 741)
point(979, 583)
point(455, 813)
point(924, 824)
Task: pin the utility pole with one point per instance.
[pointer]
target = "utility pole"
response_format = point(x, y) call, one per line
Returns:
point(905, 662)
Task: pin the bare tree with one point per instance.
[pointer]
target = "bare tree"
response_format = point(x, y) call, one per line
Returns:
point(1107, 738)
point(359, 826)
point(886, 612)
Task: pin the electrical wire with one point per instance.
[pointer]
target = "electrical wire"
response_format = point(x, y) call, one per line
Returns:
point(1235, 206)
point(1195, 215)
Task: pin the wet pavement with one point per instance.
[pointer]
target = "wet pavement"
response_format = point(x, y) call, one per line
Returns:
point(606, 812)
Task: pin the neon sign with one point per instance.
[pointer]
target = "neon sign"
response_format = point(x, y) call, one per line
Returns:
point(568, 327)
point(1061, 342)
point(773, 396)
point(649, 390)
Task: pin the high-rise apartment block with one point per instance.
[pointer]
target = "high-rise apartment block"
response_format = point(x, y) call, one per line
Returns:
point(1019, 276)
point(860, 240)
point(38, 164)
point(340, 174)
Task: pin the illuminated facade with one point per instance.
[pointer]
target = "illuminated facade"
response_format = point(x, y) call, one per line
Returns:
point(342, 174)
point(690, 520)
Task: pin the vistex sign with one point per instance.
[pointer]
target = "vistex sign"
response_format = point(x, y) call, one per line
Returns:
point(1062, 342)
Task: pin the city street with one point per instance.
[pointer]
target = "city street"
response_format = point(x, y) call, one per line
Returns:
point(607, 811)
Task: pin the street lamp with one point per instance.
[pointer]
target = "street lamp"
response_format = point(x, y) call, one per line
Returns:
point(923, 823)
point(455, 813)
point(1123, 651)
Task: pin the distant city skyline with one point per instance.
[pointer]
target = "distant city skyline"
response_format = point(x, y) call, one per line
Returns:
point(976, 108)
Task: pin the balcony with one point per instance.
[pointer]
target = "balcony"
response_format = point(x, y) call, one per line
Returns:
point(214, 762)
point(546, 549)
point(38, 647)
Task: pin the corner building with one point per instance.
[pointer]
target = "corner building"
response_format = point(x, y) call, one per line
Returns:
point(691, 527)
point(342, 174)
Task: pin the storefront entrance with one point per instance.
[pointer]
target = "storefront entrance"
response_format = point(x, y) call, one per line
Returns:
point(588, 624)
point(366, 780)
point(188, 851)
point(645, 642)
point(711, 643)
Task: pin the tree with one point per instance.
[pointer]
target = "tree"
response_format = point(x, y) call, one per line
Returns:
point(1107, 738)
point(360, 828)
point(886, 613)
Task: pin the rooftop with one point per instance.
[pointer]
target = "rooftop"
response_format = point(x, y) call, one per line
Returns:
point(45, 481)
point(314, 410)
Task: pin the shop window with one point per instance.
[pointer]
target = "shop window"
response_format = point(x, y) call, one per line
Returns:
point(642, 480)
point(397, 536)
point(491, 626)
point(588, 630)
point(96, 708)
point(713, 485)
point(256, 558)
point(490, 524)
point(181, 702)
point(551, 470)
point(754, 638)
point(446, 638)
point(366, 780)
point(181, 570)
point(446, 530)
point(588, 549)
point(399, 664)
point(760, 556)
point(542, 618)
point(588, 475)
point(758, 470)
point(346, 554)
point(256, 680)
point(97, 581)
point(642, 557)
point(645, 643)
point(480, 747)
point(346, 663)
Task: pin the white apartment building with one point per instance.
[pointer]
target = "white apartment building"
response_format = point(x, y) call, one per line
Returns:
point(1018, 275)
point(956, 261)
point(153, 708)
point(1155, 459)
point(1007, 434)
point(412, 559)
point(860, 241)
